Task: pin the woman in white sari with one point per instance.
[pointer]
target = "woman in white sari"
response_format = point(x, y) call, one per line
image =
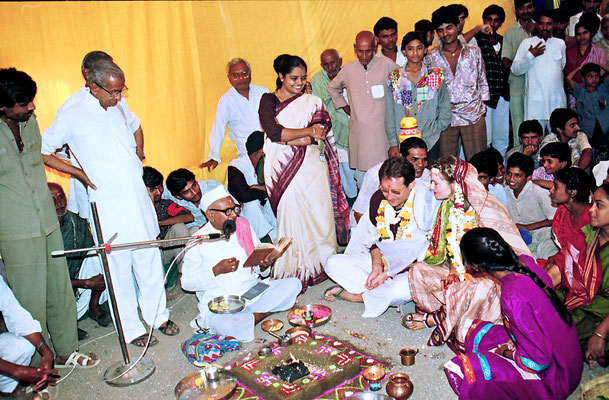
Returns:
point(301, 175)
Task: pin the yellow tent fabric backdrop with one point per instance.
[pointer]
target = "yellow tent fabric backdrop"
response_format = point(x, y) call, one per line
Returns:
point(174, 54)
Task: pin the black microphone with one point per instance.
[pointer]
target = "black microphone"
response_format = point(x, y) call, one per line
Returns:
point(228, 228)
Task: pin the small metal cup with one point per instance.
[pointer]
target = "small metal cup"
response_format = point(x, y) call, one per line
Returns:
point(407, 356)
point(211, 373)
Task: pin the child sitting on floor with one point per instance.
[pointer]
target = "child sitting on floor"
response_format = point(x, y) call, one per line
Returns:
point(563, 122)
point(554, 157)
point(592, 98)
point(529, 206)
point(487, 168)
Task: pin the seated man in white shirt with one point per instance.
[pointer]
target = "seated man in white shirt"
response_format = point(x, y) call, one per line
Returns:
point(18, 345)
point(565, 129)
point(393, 235)
point(213, 269)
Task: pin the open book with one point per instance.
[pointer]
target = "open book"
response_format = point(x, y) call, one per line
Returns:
point(263, 250)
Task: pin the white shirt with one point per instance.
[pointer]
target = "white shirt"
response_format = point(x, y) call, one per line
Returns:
point(577, 145)
point(400, 58)
point(78, 201)
point(532, 205)
point(544, 90)
point(103, 143)
point(18, 320)
point(241, 116)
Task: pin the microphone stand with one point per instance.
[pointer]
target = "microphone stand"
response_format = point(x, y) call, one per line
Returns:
point(131, 370)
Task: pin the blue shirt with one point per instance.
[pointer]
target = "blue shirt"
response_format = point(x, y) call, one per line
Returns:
point(592, 107)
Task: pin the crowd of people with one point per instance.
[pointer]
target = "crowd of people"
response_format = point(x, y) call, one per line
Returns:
point(499, 241)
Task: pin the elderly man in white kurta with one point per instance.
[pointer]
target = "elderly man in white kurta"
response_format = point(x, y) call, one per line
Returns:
point(99, 136)
point(376, 276)
point(541, 59)
point(215, 269)
point(237, 108)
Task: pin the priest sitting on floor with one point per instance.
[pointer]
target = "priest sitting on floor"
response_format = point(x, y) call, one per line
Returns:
point(214, 269)
point(401, 213)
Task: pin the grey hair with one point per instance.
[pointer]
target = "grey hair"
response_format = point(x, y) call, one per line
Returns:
point(237, 60)
point(92, 57)
point(102, 70)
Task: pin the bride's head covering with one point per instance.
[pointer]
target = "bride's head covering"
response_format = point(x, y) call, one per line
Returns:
point(491, 212)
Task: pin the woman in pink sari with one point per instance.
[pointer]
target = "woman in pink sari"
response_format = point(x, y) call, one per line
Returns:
point(301, 175)
point(448, 297)
point(583, 52)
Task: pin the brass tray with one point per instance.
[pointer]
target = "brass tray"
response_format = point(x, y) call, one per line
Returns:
point(195, 386)
point(234, 303)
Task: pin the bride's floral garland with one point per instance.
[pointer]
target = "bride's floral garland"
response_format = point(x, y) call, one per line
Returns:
point(459, 222)
point(386, 211)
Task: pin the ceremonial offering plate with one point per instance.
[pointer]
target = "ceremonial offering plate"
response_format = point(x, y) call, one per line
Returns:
point(371, 396)
point(311, 315)
point(197, 387)
point(228, 304)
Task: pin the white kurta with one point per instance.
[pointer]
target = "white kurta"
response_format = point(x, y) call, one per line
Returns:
point(197, 276)
point(241, 116)
point(351, 270)
point(78, 200)
point(544, 87)
point(13, 346)
point(261, 217)
point(104, 145)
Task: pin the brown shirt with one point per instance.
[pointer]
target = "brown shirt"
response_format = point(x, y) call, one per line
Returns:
point(368, 142)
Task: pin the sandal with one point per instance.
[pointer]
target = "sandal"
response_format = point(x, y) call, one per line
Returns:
point(169, 328)
point(42, 394)
point(335, 296)
point(80, 360)
point(141, 341)
point(409, 321)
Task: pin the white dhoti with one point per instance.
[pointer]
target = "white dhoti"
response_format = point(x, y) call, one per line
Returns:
point(15, 349)
point(90, 267)
point(351, 272)
point(279, 296)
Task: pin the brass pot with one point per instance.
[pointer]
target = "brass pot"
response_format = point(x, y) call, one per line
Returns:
point(399, 386)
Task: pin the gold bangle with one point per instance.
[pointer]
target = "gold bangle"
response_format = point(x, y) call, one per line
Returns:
point(599, 335)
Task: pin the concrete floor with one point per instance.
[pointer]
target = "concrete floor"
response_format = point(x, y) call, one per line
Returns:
point(386, 338)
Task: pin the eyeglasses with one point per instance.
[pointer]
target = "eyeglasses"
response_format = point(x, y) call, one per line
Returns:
point(236, 209)
point(242, 74)
point(114, 93)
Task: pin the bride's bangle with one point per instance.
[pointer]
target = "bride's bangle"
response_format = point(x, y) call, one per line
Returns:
point(599, 335)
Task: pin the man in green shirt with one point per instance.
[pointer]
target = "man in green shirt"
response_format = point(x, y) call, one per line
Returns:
point(29, 230)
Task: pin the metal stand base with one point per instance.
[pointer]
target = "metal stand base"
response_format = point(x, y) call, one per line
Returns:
point(138, 373)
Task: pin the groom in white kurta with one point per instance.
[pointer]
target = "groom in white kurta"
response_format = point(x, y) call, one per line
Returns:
point(208, 271)
point(100, 138)
point(376, 274)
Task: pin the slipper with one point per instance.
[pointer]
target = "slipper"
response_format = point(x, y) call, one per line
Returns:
point(337, 295)
point(42, 394)
point(80, 360)
point(169, 328)
point(103, 318)
point(141, 341)
point(411, 318)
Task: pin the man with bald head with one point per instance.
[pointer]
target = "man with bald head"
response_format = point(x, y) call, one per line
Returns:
point(364, 80)
point(237, 109)
point(331, 64)
point(216, 268)
point(101, 139)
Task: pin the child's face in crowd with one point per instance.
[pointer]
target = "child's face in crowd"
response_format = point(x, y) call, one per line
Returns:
point(552, 165)
point(484, 179)
point(591, 79)
point(516, 178)
point(500, 174)
point(558, 193)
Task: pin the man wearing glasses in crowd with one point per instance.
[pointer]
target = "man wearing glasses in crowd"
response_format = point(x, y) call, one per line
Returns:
point(237, 108)
point(100, 138)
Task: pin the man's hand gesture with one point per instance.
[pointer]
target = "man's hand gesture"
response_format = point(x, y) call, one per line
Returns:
point(538, 49)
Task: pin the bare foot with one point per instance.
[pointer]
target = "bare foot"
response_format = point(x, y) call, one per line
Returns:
point(175, 293)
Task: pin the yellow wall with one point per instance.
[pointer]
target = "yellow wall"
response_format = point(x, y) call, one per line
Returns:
point(174, 54)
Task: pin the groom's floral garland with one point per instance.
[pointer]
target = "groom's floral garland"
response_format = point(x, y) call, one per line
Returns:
point(404, 227)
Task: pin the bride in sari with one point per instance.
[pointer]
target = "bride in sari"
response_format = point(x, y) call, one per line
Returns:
point(447, 295)
point(301, 175)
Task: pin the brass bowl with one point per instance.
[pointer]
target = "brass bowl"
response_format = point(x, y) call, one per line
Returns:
point(272, 325)
point(374, 373)
point(299, 330)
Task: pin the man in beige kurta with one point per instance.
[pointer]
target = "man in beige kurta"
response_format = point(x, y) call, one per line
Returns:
point(364, 80)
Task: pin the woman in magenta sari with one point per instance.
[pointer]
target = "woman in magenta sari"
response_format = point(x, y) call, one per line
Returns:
point(583, 51)
point(535, 354)
point(571, 193)
point(301, 175)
